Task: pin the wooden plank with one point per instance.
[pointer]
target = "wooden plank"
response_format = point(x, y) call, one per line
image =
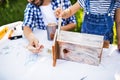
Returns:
point(55, 49)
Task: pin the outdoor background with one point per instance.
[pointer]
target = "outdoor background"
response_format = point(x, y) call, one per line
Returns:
point(13, 10)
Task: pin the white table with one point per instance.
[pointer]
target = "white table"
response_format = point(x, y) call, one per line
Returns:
point(17, 63)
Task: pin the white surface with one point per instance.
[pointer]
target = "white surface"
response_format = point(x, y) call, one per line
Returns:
point(11, 26)
point(17, 63)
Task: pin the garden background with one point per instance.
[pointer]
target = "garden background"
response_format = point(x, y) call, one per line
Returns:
point(13, 10)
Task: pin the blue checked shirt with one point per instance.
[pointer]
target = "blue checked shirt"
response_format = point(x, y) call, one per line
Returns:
point(33, 15)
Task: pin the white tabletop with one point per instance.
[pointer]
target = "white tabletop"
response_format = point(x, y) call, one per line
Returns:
point(17, 63)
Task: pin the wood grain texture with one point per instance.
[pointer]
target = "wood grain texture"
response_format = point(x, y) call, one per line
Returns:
point(80, 47)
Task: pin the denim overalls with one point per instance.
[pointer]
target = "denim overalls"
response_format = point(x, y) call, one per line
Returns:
point(100, 24)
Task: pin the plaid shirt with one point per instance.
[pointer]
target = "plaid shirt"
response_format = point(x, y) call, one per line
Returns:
point(33, 15)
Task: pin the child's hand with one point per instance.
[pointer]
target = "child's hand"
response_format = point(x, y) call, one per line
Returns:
point(34, 45)
point(34, 49)
point(62, 13)
point(58, 12)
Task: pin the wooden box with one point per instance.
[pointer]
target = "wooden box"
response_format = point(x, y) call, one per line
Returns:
point(78, 47)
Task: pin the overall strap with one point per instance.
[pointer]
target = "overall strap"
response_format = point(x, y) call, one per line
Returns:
point(87, 6)
point(111, 6)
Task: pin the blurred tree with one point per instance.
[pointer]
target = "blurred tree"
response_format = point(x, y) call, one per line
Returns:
point(73, 1)
point(11, 11)
point(2, 2)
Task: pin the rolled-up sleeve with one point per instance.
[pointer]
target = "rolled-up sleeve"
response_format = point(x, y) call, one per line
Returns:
point(29, 16)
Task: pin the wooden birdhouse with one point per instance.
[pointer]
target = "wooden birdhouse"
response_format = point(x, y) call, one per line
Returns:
point(78, 47)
